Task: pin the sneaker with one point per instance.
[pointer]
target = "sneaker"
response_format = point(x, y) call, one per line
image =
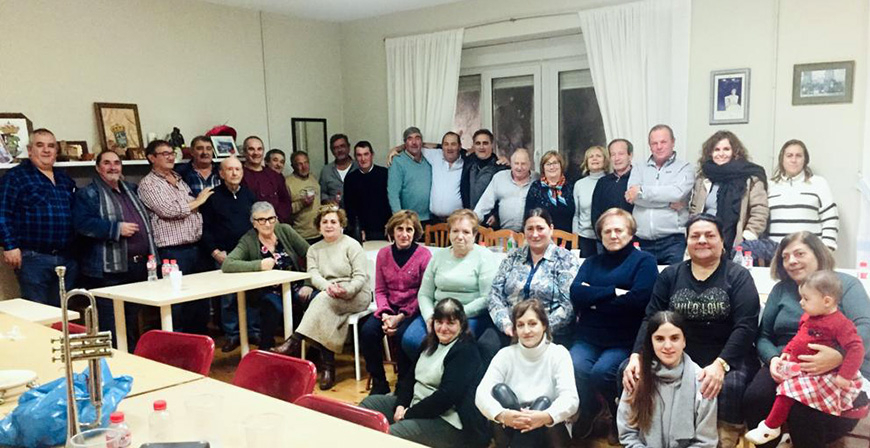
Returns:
point(231, 344)
point(762, 434)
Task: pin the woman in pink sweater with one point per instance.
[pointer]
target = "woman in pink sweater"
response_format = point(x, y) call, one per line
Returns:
point(399, 271)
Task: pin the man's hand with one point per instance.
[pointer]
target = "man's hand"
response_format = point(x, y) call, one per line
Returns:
point(631, 374)
point(267, 264)
point(823, 361)
point(12, 258)
point(399, 415)
point(490, 221)
point(203, 196)
point(677, 205)
point(711, 378)
point(308, 200)
point(220, 256)
point(502, 160)
point(396, 150)
point(129, 228)
point(631, 193)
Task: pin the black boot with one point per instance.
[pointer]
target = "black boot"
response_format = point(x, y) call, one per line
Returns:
point(380, 386)
point(327, 369)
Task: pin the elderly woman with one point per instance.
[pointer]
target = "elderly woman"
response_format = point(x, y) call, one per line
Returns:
point(463, 271)
point(540, 270)
point(337, 265)
point(596, 163)
point(398, 275)
point(720, 304)
point(731, 188)
point(800, 200)
point(552, 193)
point(799, 255)
point(610, 295)
point(269, 245)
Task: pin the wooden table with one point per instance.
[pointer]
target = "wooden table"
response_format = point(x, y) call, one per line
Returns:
point(200, 286)
point(34, 311)
point(300, 427)
point(33, 352)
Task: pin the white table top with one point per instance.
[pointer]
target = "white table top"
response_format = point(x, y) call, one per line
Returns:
point(196, 286)
point(34, 311)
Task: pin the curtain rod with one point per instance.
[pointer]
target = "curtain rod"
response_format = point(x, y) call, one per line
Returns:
point(495, 22)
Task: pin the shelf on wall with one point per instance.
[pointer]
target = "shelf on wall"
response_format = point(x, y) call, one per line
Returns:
point(6, 166)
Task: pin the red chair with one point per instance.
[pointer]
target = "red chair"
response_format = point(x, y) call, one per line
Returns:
point(282, 377)
point(191, 352)
point(345, 411)
point(73, 328)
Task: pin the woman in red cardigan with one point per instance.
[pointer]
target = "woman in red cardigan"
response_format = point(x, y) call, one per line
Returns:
point(398, 274)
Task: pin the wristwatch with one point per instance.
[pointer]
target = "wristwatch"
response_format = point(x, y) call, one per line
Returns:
point(724, 365)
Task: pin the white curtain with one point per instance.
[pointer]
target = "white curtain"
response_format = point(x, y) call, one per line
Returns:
point(422, 82)
point(863, 239)
point(639, 59)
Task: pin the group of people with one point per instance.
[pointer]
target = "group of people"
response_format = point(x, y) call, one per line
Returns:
point(517, 350)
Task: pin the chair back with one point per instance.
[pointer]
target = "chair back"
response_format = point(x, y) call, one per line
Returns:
point(566, 240)
point(73, 328)
point(191, 352)
point(495, 238)
point(435, 235)
point(282, 377)
point(345, 411)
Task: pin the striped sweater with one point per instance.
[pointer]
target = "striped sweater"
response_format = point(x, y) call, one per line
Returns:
point(798, 204)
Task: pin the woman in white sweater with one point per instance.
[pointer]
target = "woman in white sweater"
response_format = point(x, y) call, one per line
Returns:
point(596, 163)
point(529, 388)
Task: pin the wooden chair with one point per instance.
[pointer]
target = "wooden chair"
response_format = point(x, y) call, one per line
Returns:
point(563, 238)
point(495, 238)
point(435, 235)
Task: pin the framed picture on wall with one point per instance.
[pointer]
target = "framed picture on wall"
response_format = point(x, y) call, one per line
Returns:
point(15, 131)
point(72, 149)
point(224, 146)
point(729, 96)
point(823, 83)
point(119, 127)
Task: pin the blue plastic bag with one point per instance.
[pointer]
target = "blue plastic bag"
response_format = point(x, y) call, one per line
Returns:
point(39, 420)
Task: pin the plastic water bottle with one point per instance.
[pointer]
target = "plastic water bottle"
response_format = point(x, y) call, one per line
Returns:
point(160, 423)
point(738, 255)
point(863, 271)
point(152, 268)
point(511, 243)
point(636, 245)
point(116, 420)
point(747, 259)
point(174, 265)
point(165, 268)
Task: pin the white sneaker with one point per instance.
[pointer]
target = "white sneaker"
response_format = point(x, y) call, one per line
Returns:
point(785, 441)
point(762, 434)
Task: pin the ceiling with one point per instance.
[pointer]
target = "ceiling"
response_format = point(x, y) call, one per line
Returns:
point(333, 10)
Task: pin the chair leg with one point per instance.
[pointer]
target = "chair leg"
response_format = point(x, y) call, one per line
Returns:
point(356, 349)
point(389, 355)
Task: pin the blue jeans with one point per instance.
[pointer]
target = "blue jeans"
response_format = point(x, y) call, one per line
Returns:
point(595, 370)
point(230, 315)
point(416, 333)
point(372, 347)
point(667, 250)
point(136, 272)
point(38, 281)
point(189, 317)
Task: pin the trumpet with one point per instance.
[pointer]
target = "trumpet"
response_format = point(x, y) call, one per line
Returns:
point(91, 346)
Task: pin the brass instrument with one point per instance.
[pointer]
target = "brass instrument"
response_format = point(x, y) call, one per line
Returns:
point(91, 346)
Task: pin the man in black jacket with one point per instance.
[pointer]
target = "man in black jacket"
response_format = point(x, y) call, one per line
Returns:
point(610, 190)
point(478, 169)
point(365, 196)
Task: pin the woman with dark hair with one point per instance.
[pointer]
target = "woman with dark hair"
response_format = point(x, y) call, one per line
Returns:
point(529, 387)
point(609, 293)
point(666, 408)
point(540, 270)
point(731, 188)
point(799, 255)
point(432, 404)
point(719, 301)
point(552, 192)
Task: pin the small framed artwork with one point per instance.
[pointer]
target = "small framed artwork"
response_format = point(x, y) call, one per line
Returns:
point(72, 149)
point(823, 83)
point(729, 96)
point(224, 146)
point(15, 131)
point(119, 127)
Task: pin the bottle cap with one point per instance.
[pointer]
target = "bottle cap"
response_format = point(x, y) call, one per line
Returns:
point(174, 261)
point(748, 253)
point(739, 248)
point(863, 264)
point(150, 257)
point(165, 261)
point(118, 416)
point(160, 405)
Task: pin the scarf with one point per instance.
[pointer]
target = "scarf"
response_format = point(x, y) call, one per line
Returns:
point(731, 178)
point(683, 402)
point(554, 191)
point(115, 252)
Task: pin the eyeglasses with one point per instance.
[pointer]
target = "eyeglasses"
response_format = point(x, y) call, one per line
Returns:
point(165, 153)
point(270, 220)
point(553, 163)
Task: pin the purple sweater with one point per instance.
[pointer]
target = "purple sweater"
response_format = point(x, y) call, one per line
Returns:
point(396, 288)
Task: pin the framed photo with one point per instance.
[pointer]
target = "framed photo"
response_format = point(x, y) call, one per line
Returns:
point(72, 149)
point(729, 96)
point(119, 127)
point(224, 146)
point(823, 83)
point(15, 131)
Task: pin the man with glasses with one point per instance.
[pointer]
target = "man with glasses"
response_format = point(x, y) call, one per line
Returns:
point(333, 174)
point(177, 225)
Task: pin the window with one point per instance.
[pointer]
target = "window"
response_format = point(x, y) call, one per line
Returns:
point(580, 124)
point(513, 113)
point(467, 117)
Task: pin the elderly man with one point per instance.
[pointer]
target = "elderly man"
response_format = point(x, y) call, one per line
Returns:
point(201, 172)
point(659, 192)
point(305, 194)
point(115, 227)
point(266, 184)
point(610, 190)
point(275, 160)
point(333, 174)
point(507, 191)
point(36, 229)
point(410, 177)
point(177, 225)
point(226, 216)
point(479, 168)
point(365, 199)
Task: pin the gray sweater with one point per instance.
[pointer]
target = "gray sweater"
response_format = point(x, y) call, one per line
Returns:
point(331, 183)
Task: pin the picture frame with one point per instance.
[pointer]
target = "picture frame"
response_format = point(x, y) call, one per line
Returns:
point(72, 149)
point(15, 129)
point(309, 136)
point(823, 83)
point(224, 146)
point(729, 96)
point(119, 127)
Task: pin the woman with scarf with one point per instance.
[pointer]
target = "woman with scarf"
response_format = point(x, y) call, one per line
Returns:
point(552, 193)
point(731, 188)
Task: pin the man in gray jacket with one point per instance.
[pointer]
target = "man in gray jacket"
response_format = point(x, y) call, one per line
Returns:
point(660, 192)
point(332, 175)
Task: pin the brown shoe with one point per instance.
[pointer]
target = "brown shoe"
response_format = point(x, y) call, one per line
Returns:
point(290, 347)
point(327, 370)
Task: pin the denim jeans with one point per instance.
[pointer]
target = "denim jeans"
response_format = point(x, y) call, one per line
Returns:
point(667, 250)
point(416, 333)
point(136, 272)
point(37, 279)
point(371, 337)
point(230, 315)
point(595, 370)
point(271, 310)
point(189, 317)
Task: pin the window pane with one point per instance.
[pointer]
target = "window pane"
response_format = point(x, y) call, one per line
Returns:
point(467, 117)
point(513, 113)
point(580, 124)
